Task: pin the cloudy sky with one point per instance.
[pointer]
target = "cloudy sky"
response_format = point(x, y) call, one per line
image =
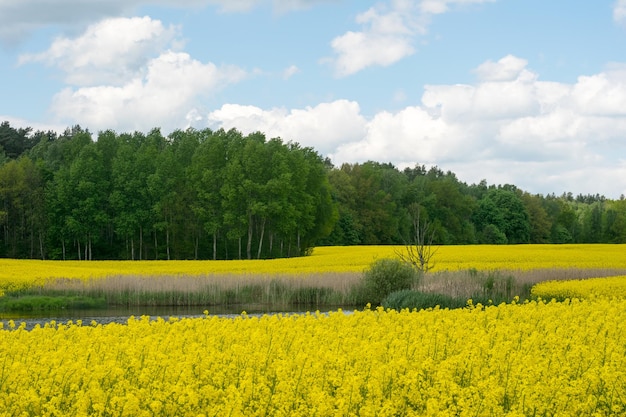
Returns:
point(527, 92)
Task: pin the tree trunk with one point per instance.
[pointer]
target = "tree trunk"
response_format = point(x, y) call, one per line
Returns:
point(258, 255)
point(167, 242)
point(271, 242)
point(299, 251)
point(43, 256)
point(249, 246)
point(214, 246)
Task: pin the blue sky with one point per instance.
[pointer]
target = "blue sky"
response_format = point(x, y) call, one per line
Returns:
point(526, 92)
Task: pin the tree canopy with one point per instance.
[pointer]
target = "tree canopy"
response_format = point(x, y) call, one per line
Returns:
point(204, 194)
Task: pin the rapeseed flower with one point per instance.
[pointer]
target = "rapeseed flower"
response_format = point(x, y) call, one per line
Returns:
point(507, 360)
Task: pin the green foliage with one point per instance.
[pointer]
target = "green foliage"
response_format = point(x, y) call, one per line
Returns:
point(488, 287)
point(411, 299)
point(385, 276)
point(494, 287)
point(504, 209)
point(44, 302)
point(192, 195)
point(493, 236)
point(206, 194)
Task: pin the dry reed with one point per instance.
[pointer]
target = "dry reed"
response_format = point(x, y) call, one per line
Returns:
point(469, 283)
point(209, 289)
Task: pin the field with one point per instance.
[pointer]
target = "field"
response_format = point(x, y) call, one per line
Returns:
point(328, 259)
point(328, 278)
point(523, 358)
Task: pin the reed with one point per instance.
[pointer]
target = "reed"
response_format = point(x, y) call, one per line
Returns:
point(504, 284)
point(310, 290)
point(325, 289)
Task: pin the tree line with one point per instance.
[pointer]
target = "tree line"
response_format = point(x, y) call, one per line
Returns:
point(378, 204)
point(203, 194)
point(191, 195)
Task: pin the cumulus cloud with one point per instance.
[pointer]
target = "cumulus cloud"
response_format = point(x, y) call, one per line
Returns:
point(126, 74)
point(389, 32)
point(505, 69)
point(507, 127)
point(165, 96)
point(110, 51)
point(323, 127)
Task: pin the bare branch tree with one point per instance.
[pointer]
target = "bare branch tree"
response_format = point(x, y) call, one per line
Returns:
point(419, 250)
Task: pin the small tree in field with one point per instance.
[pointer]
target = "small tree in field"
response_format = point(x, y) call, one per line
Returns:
point(386, 276)
point(419, 249)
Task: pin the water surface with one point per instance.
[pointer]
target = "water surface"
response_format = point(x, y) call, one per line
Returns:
point(122, 314)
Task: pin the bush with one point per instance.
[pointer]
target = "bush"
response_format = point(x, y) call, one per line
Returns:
point(42, 303)
point(384, 277)
point(410, 299)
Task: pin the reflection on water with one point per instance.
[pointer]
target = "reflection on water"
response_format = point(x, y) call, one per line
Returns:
point(121, 314)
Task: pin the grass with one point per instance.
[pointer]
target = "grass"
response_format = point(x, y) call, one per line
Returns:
point(311, 290)
point(449, 289)
point(47, 302)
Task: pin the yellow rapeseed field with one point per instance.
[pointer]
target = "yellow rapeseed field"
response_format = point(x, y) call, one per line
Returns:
point(535, 358)
point(543, 359)
point(21, 273)
point(587, 288)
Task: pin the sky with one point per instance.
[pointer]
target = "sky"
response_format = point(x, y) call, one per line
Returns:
point(523, 92)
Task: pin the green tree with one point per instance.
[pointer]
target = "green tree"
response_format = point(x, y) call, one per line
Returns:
point(503, 208)
point(88, 199)
point(540, 224)
point(22, 209)
point(207, 172)
point(616, 221)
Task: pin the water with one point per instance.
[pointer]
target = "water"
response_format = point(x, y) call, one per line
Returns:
point(122, 314)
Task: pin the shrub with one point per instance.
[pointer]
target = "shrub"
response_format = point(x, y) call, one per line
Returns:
point(411, 299)
point(42, 303)
point(385, 276)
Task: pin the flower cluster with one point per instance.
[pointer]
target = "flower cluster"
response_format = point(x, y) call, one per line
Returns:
point(535, 358)
point(581, 288)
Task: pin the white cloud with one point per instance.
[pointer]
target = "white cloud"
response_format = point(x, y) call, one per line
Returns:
point(164, 97)
point(601, 94)
point(323, 127)
point(508, 127)
point(290, 71)
point(126, 74)
point(17, 122)
point(110, 51)
point(389, 32)
point(506, 69)
point(19, 18)
point(619, 11)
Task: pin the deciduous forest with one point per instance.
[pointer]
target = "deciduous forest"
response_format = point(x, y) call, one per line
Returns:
point(203, 194)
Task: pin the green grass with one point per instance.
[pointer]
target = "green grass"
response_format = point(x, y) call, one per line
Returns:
point(45, 302)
